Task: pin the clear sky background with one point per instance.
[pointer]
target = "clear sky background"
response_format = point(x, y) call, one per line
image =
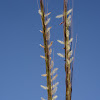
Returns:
point(20, 63)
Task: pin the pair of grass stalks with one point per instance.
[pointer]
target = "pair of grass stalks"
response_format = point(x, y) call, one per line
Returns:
point(50, 72)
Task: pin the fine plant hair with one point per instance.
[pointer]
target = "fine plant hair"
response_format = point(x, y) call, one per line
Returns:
point(68, 51)
point(51, 88)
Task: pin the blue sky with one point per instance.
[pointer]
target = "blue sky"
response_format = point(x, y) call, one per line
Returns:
point(20, 63)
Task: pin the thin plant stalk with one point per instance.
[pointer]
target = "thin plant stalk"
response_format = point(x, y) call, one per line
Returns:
point(51, 88)
point(46, 50)
point(67, 51)
point(67, 48)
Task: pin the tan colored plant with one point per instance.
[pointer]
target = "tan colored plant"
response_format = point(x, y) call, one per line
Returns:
point(67, 48)
point(52, 88)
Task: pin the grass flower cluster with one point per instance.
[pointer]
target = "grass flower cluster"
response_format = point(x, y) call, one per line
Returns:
point(68, 55)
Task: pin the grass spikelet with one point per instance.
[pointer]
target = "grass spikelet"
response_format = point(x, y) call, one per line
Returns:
point(54, 97)
point(61, 55)
point(54, 90)
point(52, 63)
point(48, 29)
point(39, 11)
point(69, 11)
point(48, 35)
point(55, 85)
point(67, 33)
point(70, 40)
point(42, 46)
point(54, 77)
point(48, 20)
point(70, 53)
point(71, 59)
point(61, 42)
point(42, 56)
point(67, 47)
point(59, 16)
point(44, 87)
point(44, 75)
point(54, 71)
point(41, 31)
point(50, 51)
point(50, 44)
point(47, 14)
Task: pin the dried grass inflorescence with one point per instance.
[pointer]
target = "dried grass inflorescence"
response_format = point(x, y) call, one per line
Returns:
point(67, 48)
point(50, 72)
